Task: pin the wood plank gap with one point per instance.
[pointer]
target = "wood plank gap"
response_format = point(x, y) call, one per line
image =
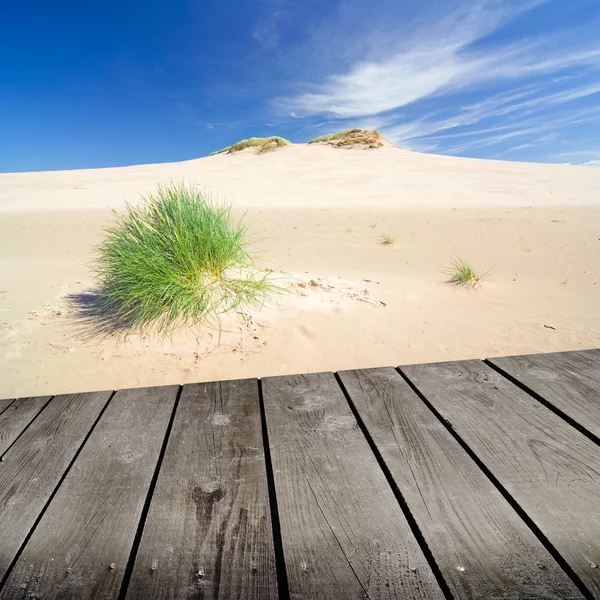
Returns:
point(26, 426)
point(282, 580)
point(551, 407)
point(54, 492)
point(5, 403)
point(398, 494)
point(507, 496)
point(140, 530)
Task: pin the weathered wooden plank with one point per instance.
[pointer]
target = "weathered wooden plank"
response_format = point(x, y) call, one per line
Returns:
point(5, 403)
point(570, 381)
point(16, 417)
point(33, 466)
point(81, 546)
point(344, 534)
point(481, 545)
point(208, 533)
point(548, 467)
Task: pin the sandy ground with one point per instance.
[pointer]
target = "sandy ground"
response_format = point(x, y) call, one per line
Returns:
point(350, 301)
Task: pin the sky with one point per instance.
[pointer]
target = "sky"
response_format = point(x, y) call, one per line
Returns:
point(117, 83)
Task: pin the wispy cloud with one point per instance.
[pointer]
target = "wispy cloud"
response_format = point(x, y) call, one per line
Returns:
point(265, 32)
point(457, 76)
point(584, 156)
point(431, 60)
point(531, 117)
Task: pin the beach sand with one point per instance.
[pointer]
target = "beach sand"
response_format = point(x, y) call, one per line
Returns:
point(317, 213)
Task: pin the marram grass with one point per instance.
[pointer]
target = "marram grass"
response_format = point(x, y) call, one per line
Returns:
point(387, 240)
point(263, 145)
point(176, 259)
point(330, 136)
point(462, 274)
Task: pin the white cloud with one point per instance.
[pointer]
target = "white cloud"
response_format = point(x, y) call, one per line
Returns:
point(265, 31)
point(374, 88)
point(550, 137)
point(457, 87)
point(371, 88)
point(445, 129)
point(435, 59)
point(540, 124)
point(584, 156)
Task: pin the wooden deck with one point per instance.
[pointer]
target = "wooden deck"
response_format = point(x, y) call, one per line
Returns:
point(473, 479)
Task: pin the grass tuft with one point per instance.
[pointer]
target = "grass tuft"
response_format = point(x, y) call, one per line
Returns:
point(222, 151)
point(351, 138)
point(462, 274)
point(330, 136)
point(272, 144)
point(176, 259)
point(263, 145)
point(387, 240)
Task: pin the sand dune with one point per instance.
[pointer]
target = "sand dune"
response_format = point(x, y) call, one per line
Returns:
point(318, 212)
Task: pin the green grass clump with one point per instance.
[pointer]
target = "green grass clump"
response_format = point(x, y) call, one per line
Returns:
point(331, 136)
point(221, 151)
point(241, 145)
point(273, 143)
point(387, 240)
point(249, 143)
point(462, 274)
point(352, 138)
point(176, 259)
point(263, 145)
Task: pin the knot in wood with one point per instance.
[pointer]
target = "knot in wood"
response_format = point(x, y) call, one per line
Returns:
point(219, 420)
point(211, 491)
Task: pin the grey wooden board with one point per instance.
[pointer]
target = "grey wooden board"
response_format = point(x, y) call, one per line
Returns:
point(208, 533)
point(344, 534)
point(547, 466)
point(5, 403)
point(34, 465)
point(570, 381)
point(16, 418)
point(481, 545)
point(93, 518)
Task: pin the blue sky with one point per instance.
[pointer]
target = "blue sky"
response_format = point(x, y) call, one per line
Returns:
point(121, 82)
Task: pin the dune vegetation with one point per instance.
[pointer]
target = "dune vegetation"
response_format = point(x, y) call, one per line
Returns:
point(263, 145)
point(351, 138)
point(348, 138)
point(462, 274)
point(176, 259)
point(330, 136)
point(387, 240)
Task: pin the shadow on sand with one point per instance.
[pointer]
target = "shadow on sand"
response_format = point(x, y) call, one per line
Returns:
point(95, 317)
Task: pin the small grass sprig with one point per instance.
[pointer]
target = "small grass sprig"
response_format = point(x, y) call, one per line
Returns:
point(462, 274)
point(263, 145)
point(330, 136)
point(387, 240)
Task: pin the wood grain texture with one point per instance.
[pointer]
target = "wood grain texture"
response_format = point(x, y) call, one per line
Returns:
point(208, 533)
point(548, 467)
point(481, 545)
point(34, 465)
point(5, 403)
point(16, 417)
point(344, 533)
point(81, 546)
point(570, 381)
